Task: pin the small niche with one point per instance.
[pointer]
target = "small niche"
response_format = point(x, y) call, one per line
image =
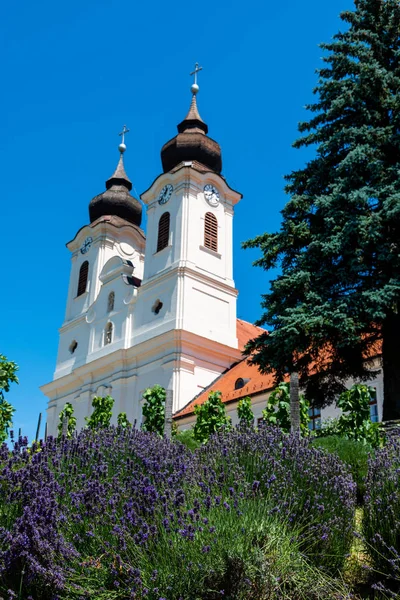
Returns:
point(157, 307)
point(110, 302)
point(73, 346)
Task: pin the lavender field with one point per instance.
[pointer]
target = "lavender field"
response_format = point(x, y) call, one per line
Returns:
point(118, 513)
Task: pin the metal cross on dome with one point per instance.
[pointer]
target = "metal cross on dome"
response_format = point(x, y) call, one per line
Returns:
point(196, 70)
point(123, 132)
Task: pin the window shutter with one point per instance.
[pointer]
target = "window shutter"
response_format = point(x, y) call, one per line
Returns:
point(211, 232)
point(83, 277)
point(163, 232)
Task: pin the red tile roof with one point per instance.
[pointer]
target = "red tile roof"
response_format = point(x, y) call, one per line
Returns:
point(246, 331)
point(255, 382)
point(225, 383)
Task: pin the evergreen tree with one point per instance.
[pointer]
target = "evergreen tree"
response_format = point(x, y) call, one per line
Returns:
point(336, 302)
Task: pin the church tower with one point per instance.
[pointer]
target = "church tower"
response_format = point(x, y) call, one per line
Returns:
point(107, 262)
point(187, 301)
point(155, 311)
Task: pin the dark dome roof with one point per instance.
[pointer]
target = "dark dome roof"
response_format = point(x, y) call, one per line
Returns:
point(192, 143)
point(117, 200)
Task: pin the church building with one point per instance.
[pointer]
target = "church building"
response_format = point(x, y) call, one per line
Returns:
point(158, 308)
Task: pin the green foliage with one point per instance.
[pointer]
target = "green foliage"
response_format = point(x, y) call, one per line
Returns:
point(244, 411)
point(8, 371)
point(6, 415)
point(187, 438)
point(67, 413)
point(211, 417)
point(154, 409)
point(339, 243)
point(101, 416)
point(122, 420)
point(277, 411)
point(355, 420)
point(251, 557)
point(381, 522)
point(352, 452)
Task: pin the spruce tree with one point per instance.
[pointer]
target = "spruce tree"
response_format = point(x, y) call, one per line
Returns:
point(337, 300)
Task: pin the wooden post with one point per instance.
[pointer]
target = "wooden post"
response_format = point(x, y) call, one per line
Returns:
point(294, 404)
point(168, 414)
point(45, 432)
point(65, 427)
point(38, 427)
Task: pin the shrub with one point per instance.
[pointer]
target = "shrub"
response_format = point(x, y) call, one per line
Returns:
point(154, 409)
point(381, 521)
point(355, 420)
point(117, 513)
point(277, 411)
point(354, 453)
point(122, 421)
point(68, 414)
point(101, 416)
point(211, 417)
point(244, 411)
point(303, 485)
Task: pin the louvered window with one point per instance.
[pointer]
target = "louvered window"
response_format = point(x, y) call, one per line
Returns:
point(163, 232)
point(211, 232)
point(83, 277)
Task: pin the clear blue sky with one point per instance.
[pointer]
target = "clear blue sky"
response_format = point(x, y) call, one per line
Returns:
point(74, 72)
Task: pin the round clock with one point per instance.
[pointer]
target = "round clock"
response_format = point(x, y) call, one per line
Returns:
point(211, 194)
point(165, 194)
point(86, 245)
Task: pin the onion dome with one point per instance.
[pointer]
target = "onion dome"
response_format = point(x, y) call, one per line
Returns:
point(192, 142)
point(116, 200)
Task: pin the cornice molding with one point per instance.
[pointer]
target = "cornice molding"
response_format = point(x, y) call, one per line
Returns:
point(180, 270)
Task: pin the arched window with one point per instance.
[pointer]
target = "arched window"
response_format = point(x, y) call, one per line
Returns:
point(211, 231)
point(108, 334)
point(163, 232)
point(110, 302)
point(83, 277)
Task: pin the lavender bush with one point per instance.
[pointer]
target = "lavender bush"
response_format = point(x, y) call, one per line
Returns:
point(306, 487)
point(381, 522)
point(118, 513)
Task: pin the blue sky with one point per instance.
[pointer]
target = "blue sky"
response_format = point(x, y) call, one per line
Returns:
point(73, 73)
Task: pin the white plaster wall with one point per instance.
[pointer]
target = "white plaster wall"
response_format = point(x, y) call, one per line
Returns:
point(194, 284)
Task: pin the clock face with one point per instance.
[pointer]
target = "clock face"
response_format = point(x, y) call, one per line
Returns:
point(86, 245)
point(211, 194)
point(165, 194)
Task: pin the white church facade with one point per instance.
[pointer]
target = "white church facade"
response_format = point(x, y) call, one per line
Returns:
point(156, 309)
point(161, 308)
